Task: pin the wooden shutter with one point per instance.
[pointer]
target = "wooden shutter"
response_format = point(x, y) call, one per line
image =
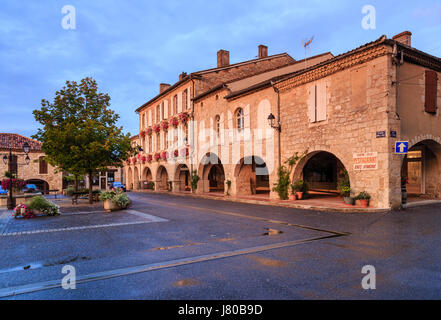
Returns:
point(321, 101)
point(43, 166)
point(312, 104)
point(431, 91)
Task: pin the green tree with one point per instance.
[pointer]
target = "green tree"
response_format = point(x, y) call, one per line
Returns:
point(79, 133)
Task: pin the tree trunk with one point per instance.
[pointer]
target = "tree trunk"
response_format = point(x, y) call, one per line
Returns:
point(76, 183)
point(90, 188)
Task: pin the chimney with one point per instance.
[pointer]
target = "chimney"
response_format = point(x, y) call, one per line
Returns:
point(182, 75)
point(223, 58)
point(163, 87)
point(404, 38)
point(263, 51)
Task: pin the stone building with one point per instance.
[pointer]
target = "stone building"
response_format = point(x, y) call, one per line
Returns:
point(345, 113)
point(37, 172)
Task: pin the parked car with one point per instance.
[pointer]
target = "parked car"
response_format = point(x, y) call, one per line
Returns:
point(118, 185)
point(3, 191)
point(30, 188)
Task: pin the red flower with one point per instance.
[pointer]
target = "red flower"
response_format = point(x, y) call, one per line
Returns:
point(183, 117)
point(156, 128)
point(149, 131)
point(143, 159)
point(142, 134)
point(164, 155)
point(164, 125)
point(174, 121)
point(176, 153)
point(157, 156)
point(149, 158)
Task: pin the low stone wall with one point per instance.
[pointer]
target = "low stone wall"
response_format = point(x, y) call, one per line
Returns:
point(19, 199)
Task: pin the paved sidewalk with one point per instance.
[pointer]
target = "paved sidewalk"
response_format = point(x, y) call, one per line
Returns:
point(333, 204)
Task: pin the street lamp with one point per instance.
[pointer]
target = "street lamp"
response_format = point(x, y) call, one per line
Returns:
point(26, 149)
point(271, 120)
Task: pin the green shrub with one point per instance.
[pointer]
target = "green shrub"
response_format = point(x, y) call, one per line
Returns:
point(44, 206)
point(363, 196)
point(300, 186)
point(194, 180)
point(69, 191)
point(343, 184)
point(282, 184)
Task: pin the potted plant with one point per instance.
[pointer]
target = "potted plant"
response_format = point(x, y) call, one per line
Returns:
point(345, 191)
point(149, 131)
point(299, 188)
point(114, 200)
point(364, 198)
point(194, 181)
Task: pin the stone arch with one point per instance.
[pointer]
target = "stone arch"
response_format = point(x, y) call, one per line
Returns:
point(321, 169)
point(421, 167)
point(147, 174)
point(146, 178)
point(212, 174)
point(162, 179)
point(182, 178)
point(252, 176)
point(129, 179)
point(136, 178)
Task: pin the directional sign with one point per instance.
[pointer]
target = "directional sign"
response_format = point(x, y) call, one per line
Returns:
point(401, 147)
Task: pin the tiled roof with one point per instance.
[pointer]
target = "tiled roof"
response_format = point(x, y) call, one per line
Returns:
point(199, 74)
point(15, 141)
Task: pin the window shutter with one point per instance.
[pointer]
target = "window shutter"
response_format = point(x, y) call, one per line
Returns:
point(312, 103)
point(180, 102)
point(431, 91)
point(166, 109)
point(321, 101)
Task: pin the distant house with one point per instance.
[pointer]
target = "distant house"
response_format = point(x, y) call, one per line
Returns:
point(37, 172)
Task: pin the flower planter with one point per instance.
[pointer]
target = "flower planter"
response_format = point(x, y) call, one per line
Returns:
point(349, 200)
point(364, 203)
point(109, 206)
point(293, 197)
point(299, 195)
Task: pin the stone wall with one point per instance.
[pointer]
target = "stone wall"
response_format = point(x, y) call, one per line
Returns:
point(32, 170)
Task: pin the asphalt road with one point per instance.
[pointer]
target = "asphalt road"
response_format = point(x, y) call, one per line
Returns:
point(171, 247)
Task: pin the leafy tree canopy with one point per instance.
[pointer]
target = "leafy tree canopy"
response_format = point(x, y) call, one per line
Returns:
point(79, 132)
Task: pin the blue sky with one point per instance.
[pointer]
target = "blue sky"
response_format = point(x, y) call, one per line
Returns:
point(130, 47)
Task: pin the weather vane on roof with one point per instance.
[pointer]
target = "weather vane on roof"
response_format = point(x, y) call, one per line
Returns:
point(306, 45)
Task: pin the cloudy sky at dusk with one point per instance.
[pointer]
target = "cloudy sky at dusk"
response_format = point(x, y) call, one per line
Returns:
point(130, 47)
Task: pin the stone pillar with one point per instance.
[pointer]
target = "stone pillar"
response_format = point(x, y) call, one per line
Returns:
point(176, 186)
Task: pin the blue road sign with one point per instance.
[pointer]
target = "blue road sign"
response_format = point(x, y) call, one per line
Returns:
point(401, 147)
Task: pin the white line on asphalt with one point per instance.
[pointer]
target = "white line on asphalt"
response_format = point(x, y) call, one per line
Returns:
point(77, 228)
point(52, 284)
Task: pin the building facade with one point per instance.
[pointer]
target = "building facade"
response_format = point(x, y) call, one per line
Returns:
point(344, 113)
point(37, 172)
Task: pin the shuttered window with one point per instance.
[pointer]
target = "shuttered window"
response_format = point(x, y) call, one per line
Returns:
point(431, 91)
point(317, 102)
point(43, 165)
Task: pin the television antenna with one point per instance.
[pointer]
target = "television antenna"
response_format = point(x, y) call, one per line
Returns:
point(306, 45)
